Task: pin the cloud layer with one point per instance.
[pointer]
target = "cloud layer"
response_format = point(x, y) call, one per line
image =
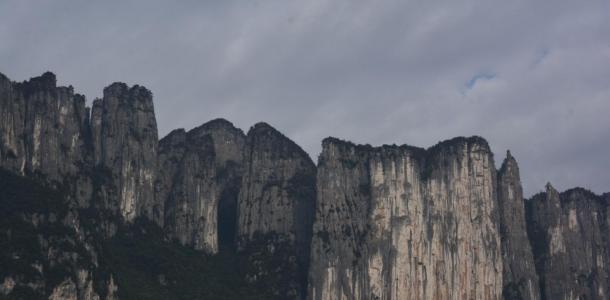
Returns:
point(530, 76)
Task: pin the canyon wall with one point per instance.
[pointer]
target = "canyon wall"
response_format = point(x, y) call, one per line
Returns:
point(44, 132)
point(390, 222)
point(276, 207)
point(124, 133)
point(406, 223)
point(570, 239)
point(519, 271)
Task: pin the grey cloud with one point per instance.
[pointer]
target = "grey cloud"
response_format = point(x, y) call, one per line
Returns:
point(372, 72)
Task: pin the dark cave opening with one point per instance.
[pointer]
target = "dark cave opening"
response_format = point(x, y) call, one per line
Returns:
point(227, 216)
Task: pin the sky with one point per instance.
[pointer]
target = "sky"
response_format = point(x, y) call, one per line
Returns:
point(529, 76)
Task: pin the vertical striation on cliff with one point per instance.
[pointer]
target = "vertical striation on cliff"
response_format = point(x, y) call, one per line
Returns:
point(406, 223)
point(199, 171)
point(43, 130)
point(229, 144)
point(569, 236)
point(124, 132)
point(519, 271)
point(191, 200)
point(275, 206)
point(390, 222)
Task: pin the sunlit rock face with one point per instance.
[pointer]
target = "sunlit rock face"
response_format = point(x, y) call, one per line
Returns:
point(406, 223)
point(124, 132)
point(570, 239)
point(43, 131)
point(199, 170)
point(276, 204)
point(519, 276)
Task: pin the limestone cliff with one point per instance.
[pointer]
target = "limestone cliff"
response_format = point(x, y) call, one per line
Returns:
point(124, 132)
point(569, 236)
point(390, 222)
point(43, 131)
point(519, 272)
point(198, 172)
point(192, 201)
point(276, 203)
point(229, 145)
point(406, 223)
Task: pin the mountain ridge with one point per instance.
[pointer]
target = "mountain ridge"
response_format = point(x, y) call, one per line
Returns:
point(386, 222)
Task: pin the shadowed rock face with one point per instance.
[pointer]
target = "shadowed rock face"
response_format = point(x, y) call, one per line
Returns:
point(406, 223)
point(194, 181)
point(192, 199)
point(519, 272)
point(569, 236)
point(43, 130)
point(125, 144)
point(229, 144)
point(277, 187)
point(276, 201)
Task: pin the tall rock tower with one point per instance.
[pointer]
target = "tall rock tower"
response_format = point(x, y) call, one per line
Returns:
point(44, 132)
point(198, 183)
point(569, 236)
point(406, 223)
point(275, 208)
point(124, 132)
point(519, 276)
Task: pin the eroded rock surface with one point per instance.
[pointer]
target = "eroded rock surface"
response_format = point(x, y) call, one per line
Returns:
point(569, 236)
point(192, 195)
point(519, 271)
point(406, 223)
point(276, 204)
point(199, 173)
point(390, 222)
point(43, 131)
point(229, 145)
point(125, 144)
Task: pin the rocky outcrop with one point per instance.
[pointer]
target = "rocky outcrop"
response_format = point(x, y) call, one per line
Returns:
point(192, 197)
point(406, 223)
point(229, 144)
point(519, 272)
point(277, 193)
point(125, 140)
point(276, 203)
point(391, 222)
point(200, 173)
point(65, 291)
point(569, 236)
point(82, 289)
point(44, 131)
point(44, 250)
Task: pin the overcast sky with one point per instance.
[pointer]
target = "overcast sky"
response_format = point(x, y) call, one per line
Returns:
point(529, 76)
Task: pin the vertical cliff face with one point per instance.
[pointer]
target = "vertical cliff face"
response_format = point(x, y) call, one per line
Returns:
point(277, 193)
point(43, 130)
point(276, 203)
point(519, 272)
point(392, 222)
point(406, 223)
point(569, 236)
point(125, 144)
point(229, 144)
point(198, 173)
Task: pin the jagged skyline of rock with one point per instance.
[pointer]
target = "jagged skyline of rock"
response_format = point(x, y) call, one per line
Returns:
point(314, 156)
point(363, 223)
point(529, 76)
